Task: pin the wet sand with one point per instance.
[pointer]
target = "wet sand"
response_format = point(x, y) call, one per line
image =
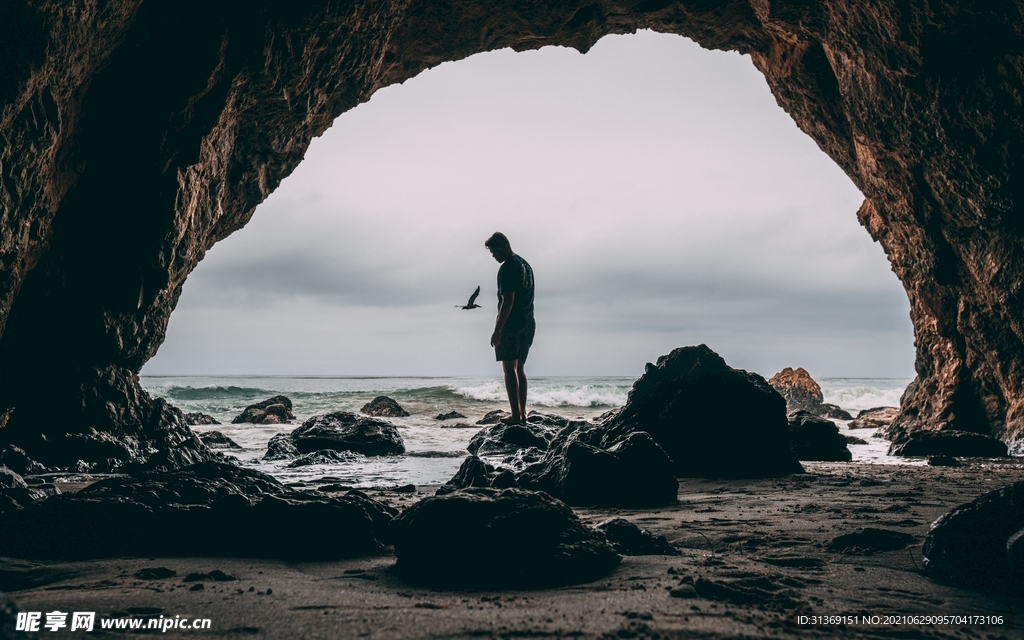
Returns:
point(756, 551)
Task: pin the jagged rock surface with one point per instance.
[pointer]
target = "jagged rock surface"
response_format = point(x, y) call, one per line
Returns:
point(384, 407)
point(275, 410)
point(875, 418)
point(815, 438)
point(346, 431)
point(197, 418)
point(217, 440)
point(135, 135)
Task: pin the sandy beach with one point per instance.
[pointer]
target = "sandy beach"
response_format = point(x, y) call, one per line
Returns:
point(755, 556)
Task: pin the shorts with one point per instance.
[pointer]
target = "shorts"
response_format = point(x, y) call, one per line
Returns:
point(515, 343)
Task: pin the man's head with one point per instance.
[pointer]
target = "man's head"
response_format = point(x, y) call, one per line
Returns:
point(499, 247)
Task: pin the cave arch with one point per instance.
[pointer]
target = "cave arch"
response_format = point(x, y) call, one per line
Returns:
point(142, 133)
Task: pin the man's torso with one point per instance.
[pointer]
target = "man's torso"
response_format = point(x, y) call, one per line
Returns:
point(516, 276)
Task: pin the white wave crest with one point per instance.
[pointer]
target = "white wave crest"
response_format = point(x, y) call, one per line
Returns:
point(586, 395)
point(857, 398)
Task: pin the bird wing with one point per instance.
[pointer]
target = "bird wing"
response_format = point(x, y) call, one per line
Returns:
point(472, 298)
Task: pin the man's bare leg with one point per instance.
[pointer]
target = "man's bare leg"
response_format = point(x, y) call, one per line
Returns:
point(521, 375)
point(512, 388)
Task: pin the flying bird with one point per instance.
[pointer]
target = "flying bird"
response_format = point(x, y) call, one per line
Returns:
point(472, 301)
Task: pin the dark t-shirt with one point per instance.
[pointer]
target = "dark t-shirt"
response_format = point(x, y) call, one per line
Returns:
point(516, 276)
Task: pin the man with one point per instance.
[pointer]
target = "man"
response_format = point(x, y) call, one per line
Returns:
point(515, 326)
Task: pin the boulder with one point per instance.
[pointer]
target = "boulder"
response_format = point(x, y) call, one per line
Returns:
point(473, 472)
point(451, 415)
point(960, 444)
point(494, 417)
point(11, 480)
point(943, 461)
point(276, 410)
point(802, 393)
point(384, 407)
point(634, 472)
point(497, 539)
point(815, 438)
point(876, 418)
point(208, 509)
point(502, 439)
point(459, 425)
point(870, 540)
point(549, 420)
point(217, 440)
point(322, 456)
point(711, 420)
point(14, 458)
point(200, 419)
point(854, 440)
point(281, 447)
point(345, 431)
point(970, 545)
point(630, 540)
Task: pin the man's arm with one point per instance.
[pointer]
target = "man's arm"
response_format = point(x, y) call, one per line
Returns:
point(506, 308)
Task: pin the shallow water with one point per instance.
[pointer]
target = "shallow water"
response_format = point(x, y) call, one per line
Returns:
point(434, 453)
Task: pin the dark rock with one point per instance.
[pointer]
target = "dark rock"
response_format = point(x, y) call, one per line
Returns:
point(216, 576)
point(15, 459)
point(630, 540)
point(459, 425)
point(961, 444)
point(155, 573)
point(943, 461)
point(494, 417)
point(11, 480)
point(322, 456)
point(451, 415)
point(501, 439)
point(200, 419)
point(814, 438)
point(854, 440)
point(798, 388)
point(833, 411)
point(473, 472)
point(869, 540)
point(549, 420)
point(522, 459)
point(635, 472)
point(405, 488)
point(498, 539)
point(384, 407)
point(712, 420)
point(281, 447)
point(276, 410)
point(877, 418)
point(209, 509)
point(504, 479)
point(217, 440)
point(968, 546)
point(607, 415)
point(1015, 554)
point(344, 431)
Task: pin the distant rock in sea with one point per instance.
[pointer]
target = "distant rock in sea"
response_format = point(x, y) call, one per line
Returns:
point(345, 431)
point(451, 415)
point(217, 440)
point(276, 410)
point(874, 418)
point(200, 419)
point(855, 440)
point(384, 407)
point(802, 393)
point(815, 438)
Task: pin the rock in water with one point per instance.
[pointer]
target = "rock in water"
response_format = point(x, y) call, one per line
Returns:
point(500, 439)
point(451, 415)
point(345, 431)
point(384, 407)
point(276, 410)
point(281, 447)
point(711, 419)
point(217, 440)
point(969, 546)
point(199, 419)
point(473, 472)
point(209, 509)
point(498, 539)
point(494, 417)
point(814, 438)
point(961, 444)
point(802, 393)
point(876, 418)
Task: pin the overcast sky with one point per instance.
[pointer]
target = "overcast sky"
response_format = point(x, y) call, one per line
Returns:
point(661, 195)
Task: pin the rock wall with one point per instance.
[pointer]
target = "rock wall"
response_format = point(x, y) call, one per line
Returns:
point(133, 136)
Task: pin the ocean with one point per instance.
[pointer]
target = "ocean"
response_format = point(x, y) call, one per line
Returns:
point(434, 453)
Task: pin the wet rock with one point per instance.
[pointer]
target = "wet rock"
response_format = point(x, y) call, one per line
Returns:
point(494, 417)
point(876, 418)
point(498, 539)
point(815, 438)
point(384, 407)
point(281, 447)
point(322, 456)
point(854, 440)
point(630, 540)
point(15, 459)
point(459, 425)
point(870, 540)
point(200, 419)
point(345, 431)
point(451, 415)
point(961, 444)
point(275, 410)
point(635, 472)
point(217, 440)
point(209, 509)
point(11, 480)
point(522, 459)
point(802, 393)
point(549, 420)
point(712, 420)
point(943, 461)
point(501, 439)
point(969, 545)
point(473, 472)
